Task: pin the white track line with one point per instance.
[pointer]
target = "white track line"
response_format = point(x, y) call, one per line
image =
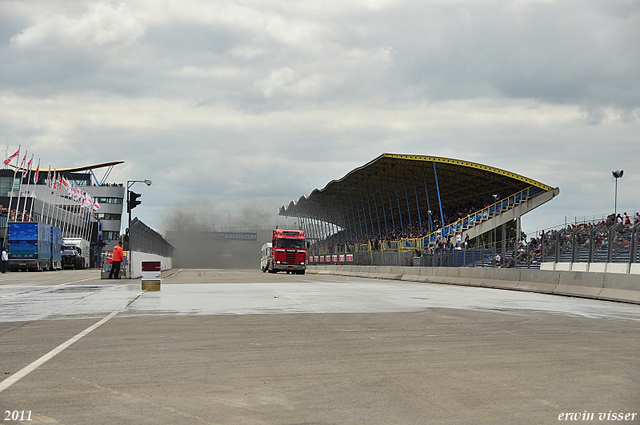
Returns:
point(59, 349)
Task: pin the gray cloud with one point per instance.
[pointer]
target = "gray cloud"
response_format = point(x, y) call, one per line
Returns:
point(260, 103)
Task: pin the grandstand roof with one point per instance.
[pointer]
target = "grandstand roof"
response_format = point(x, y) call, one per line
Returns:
point(383, 181)
point(73, 169)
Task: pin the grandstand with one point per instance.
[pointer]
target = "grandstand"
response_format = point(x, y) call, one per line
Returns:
point(398, 207)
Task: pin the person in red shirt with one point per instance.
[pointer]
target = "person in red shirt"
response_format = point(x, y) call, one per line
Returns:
point(118, 257)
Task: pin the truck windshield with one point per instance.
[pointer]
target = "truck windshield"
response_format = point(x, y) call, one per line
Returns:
point(290, 243)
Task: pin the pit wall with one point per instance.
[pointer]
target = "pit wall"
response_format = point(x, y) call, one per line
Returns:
point(601, 286)
point(138, 257)
point(632, 268)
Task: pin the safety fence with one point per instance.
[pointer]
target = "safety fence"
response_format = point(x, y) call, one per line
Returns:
point(617, 243)
point(144, 239)
point(491, 256)
point(593, 244)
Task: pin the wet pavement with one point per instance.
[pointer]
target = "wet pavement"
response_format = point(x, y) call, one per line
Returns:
point(209, 292)
point(216, 346)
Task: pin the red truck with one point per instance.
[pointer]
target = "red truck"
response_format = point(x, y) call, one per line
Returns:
point(287, 251)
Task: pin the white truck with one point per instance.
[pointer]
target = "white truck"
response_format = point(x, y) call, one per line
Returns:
point(75, 253)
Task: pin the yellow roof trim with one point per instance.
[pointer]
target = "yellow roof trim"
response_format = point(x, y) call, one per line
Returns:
point(470, 165)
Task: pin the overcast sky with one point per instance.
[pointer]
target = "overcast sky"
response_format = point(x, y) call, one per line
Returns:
point(246, 106)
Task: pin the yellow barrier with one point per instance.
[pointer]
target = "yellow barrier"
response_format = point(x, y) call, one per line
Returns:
point(390, 245)
point(361, 247)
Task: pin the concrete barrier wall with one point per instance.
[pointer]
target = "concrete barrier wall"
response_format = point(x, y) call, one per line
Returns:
point(138, 257)
point(625, 268)
point(603, 286)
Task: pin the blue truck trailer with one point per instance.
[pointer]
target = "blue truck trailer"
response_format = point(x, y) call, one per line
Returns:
point(34, 246)
point(56, 248)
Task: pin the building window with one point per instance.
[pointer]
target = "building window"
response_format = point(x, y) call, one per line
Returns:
point(106, 216)
point(5, 185)
point(109, 236)
point(109, 200)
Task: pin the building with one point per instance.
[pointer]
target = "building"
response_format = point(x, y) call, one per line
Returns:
point(25, 196)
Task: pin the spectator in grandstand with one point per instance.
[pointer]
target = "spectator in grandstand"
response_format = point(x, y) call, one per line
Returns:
point(627, 220)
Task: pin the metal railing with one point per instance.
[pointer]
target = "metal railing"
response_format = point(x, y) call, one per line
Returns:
point(512, 254)
point(593, 244)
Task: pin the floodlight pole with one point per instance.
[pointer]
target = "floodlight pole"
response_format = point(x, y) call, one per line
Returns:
point(616, 175)
point(129, 258)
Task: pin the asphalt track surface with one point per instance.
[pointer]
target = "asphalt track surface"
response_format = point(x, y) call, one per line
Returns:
point(243, 347)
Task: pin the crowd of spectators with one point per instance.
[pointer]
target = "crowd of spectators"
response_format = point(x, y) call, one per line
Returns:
point(15, 215)
point(520, 253)
point(346, 240)
point(596, 233)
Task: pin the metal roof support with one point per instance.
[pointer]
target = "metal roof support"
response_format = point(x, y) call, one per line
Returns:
point(310, 226)
point(442, 223)
point(406, 196)
point(384, 213)
point(426, 192)
point(335, 226)
point(354, 220)
point(393, 220)
point(364, 215)
point(373, 229)
point(345, 230)
point(415, 189)
point(327, 230)
point(345, 219)
point(399, 210)
point(332, 226)
point(346, 227)
point(375, 205)
point(316, 229)
point(364, 218)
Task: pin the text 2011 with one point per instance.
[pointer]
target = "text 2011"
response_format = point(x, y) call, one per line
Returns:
point(17, 415)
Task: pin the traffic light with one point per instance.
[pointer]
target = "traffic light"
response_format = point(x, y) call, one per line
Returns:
point(133, 201)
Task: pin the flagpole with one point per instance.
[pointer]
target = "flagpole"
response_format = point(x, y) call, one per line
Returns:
point(20, 186)
point(35, 184)
point(24, 207)
point(87, 224)
point(13, 183)
point(76, 221)
point(54, 196)
point(86, 215)
point(48, 195)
